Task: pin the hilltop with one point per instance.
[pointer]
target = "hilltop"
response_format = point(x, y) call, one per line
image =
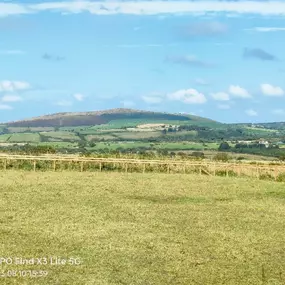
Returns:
point(92, 118)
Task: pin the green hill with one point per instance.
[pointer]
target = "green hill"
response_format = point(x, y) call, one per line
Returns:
point(105, 117)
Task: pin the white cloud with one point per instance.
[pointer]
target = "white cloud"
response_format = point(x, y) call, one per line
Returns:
point(5, 107)
point(188, 96)
point(220, 96)
point(9, 9)
point(11, 98)
point(12, 86)
point(152, 99)
point(239, 91)
point(224, 106)
point(231, 8)
point(63, 103)
point(267, 29)
point(270, 90)
point(78, 97)
point(251, 113)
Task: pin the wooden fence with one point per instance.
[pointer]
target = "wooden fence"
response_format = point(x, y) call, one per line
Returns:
point(57, 163)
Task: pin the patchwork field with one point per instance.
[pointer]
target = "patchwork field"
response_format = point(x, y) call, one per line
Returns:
point(61, 135)
point(24, 137)
point(143, 228)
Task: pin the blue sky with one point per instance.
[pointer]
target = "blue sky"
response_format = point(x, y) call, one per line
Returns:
point(219, 59)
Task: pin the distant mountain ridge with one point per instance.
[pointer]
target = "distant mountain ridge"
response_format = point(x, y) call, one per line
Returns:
point(67, 119)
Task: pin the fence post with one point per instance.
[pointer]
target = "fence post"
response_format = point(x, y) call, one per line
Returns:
point(143, 167)
point(168, 168)
point(34, 165)
point(81, 166)
point(100, 166)
point(126, 167)
point(54, 166)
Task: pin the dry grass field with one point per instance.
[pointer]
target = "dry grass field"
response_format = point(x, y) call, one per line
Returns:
point(141, 229)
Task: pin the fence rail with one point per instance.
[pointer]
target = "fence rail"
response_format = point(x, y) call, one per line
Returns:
point(56, 163)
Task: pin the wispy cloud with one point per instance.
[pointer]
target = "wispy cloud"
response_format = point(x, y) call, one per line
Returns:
point(51, 57)
point(128, 103)
point(251, 112)
point(204, 29)
point(5, 107)
point(11, 98)
point(224, 106)
point(278, 112)
point(258, 53)
point(154, 98)
point(266, 29)
point(224, 44)
point(63, 103)
point(12, 86)
point(157, 70)
point(201, 81)
point(149, 7)
point(139, 45)
point(11, 52)
point(189, 60)
point(220, 96)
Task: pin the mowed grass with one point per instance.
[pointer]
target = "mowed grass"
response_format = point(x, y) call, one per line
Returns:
point(143, 228)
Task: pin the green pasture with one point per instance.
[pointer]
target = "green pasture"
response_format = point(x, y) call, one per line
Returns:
point(142, 228)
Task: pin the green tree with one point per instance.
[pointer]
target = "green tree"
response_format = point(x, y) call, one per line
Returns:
point(224, 146)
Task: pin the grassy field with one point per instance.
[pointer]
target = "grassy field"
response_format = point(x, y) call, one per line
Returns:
point(61, 135)
point(179, 146)
point(57, 144)
point(24, 137)
point(120, 123)
point(31, 129)
point(4, 138)
point(143, 228)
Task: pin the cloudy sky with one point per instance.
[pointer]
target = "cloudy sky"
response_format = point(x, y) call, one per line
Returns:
point(218, 59)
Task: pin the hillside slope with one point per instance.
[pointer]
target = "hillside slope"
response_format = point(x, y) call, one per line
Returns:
point(102, 117)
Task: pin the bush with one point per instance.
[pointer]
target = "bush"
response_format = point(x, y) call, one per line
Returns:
point(198, 154)
point(282, 157)
point(281, 177)
point(241, 158)
point(266, 176)
point(221, 157)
